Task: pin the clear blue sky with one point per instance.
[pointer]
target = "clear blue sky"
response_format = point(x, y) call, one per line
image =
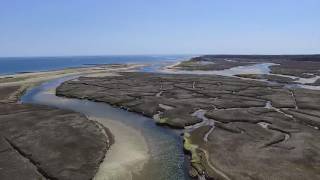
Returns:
point(96, 27)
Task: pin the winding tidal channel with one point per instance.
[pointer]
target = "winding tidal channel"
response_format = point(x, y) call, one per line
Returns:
point(142, 150)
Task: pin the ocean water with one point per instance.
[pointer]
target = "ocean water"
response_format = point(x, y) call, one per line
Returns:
point(14, 65)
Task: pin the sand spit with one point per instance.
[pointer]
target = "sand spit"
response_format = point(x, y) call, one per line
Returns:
point(38, 77)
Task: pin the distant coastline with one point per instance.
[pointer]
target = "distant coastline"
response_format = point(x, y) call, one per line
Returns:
point(19, 65)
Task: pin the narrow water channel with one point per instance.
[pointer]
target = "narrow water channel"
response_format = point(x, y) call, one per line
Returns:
point(142, 150)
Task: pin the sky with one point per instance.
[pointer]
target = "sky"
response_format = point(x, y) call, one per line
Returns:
point(128, 27)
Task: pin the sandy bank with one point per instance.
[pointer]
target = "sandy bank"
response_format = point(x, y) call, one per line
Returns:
point(128, 152)
point(126, 156)
point(57, 162)
point(283, 132)
point(38, 77)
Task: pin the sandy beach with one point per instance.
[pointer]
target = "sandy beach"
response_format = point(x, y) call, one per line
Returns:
point(38, 77)
point(27, 80)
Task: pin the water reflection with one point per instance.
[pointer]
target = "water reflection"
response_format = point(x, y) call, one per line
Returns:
point(166, 158)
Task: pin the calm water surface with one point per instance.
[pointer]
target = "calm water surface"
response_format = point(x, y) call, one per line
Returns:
point(33, 64)
point(167, 160)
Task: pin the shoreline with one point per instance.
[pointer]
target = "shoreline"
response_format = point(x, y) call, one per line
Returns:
point(121, 138)
point(41, 76)
point(29, 80)
point(118, 142)
point(23, 81)
point(40, 138)
point(234, 97)
point(109, 168)
point(141, 172)
point(255, 72)
point(115, 164)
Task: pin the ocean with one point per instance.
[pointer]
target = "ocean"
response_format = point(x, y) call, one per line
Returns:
point(13, 65)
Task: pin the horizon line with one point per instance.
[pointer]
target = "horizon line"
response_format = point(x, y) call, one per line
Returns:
point(178, 54)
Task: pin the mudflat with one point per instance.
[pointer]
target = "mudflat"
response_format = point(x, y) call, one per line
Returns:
point(39, 142)
point(234, 128)
point(304, 66)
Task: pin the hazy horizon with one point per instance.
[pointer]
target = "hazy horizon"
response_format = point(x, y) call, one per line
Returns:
point(150, 55)
point(109, 28)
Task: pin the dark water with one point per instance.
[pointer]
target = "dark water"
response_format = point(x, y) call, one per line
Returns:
point(32, 64)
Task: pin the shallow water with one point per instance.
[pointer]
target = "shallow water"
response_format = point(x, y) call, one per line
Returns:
point(12, 65)
point(164, 157)
point(262, 68)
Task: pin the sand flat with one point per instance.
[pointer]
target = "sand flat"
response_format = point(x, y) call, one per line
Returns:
point(126, 156)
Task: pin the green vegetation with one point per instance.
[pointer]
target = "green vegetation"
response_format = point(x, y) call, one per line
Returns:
point(192, 148)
